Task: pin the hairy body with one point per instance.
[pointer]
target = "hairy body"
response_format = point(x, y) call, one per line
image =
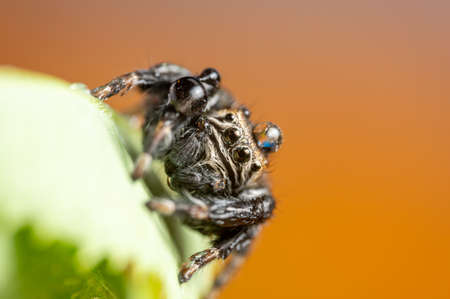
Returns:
point(214, 156)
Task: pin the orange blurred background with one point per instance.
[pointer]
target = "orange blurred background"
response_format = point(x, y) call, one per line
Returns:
point(361, 90)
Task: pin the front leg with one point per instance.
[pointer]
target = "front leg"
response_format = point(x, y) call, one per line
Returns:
point(252, 206)
point(163, 72)
point(167, 207)
point(238, 242)
point(239, 218)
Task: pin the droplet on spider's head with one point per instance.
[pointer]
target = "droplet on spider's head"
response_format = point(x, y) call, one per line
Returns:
point(268, 136)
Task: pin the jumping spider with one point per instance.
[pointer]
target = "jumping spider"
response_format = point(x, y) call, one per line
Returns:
point(214, 157)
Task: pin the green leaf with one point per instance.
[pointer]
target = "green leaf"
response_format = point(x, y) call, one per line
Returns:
point(72, 222)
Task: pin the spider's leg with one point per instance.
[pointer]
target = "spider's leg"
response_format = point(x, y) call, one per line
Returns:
point(163, 72)
point(252, 206)
point(221, 249)
point(236, 260)
point(122, 84)
point(240, 217)
point(162, 130)
point(197, 261)
point(184, 208)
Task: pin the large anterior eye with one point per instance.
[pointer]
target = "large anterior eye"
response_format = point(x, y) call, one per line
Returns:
point(242, 154)
point(268, 136)
point(188, 95)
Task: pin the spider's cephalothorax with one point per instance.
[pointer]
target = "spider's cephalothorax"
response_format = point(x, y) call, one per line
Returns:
point(214, 157)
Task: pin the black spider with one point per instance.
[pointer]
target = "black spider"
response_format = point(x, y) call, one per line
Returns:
point(214, 157)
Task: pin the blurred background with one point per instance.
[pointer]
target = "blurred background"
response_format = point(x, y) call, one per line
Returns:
point(361, 90)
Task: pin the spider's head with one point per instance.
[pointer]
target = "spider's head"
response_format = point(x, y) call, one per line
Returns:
point(221, 153)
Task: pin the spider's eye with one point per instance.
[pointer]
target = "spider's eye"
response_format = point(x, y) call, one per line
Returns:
point(210, 76)
point(268, 136)
point(188, 95)
point(256, 166)
point(242, 154)
point(231, 135)
point(230, 117)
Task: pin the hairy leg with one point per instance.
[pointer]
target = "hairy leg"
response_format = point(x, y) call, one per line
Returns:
point(163, 72)
point(166, 206)
point(161, 131)
point(238, 240)
point(252, 206)
point(222, 248)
